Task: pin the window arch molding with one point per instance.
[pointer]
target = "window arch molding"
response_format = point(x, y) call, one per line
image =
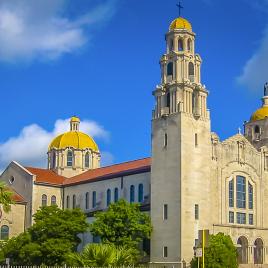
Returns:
point(241, 199)
point(258, 250)
point(53, 200)
point(180, 42)
point(4, 232)
point(54, 159)
point(191, 71)
point(170, 70)
point(44, 200)
point(87, 160)
point(189, 44)
point(70, 158)
point(242, 249)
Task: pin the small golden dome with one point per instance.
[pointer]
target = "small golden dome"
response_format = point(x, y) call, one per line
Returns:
point(260, 114)
point(75, 119)
point(74, 138)
point(180, 23)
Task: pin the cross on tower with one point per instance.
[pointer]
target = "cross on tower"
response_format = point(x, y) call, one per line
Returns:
point(180, 7)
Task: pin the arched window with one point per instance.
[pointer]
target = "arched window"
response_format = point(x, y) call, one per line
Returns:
point(94, 198)
point(53, 200)
point(180, 45)
point(168, 100)
point(108, 197)
point(171, 46)
point(74, 201)
point(140, 192)
point(68, 201)
point(257, 129)
point(257, 132)
point(132, 194)
point(191, 71)
point(53, 160)
point(189, 44)
point(250, 196)
point(87, 200)
point(242, 248)
point(87, 160)
point(258, 251)
point(231, 193)
point(44, 200)
point(170, 69)
point(69, 158)
point(116, 195)
point(4, 232)
point(240, 192)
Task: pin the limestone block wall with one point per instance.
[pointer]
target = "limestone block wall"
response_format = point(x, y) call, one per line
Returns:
point(195, 181)
point(19, 179)
point(123, 185)
point(49, 191)
point(15, 219)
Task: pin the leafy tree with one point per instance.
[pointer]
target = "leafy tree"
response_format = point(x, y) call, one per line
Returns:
point(52, 237)
point(123, 224)
point(220, 253)
point(5, 197)
point(103, 255)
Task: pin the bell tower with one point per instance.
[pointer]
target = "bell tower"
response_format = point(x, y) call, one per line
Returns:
point(181, 150)
point(256, 129)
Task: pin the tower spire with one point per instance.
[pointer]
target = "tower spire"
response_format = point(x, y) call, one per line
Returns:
point(180, 7)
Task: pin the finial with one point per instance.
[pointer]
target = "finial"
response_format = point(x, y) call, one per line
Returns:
point(239, 130)
point(266, 89)
point(180, 7)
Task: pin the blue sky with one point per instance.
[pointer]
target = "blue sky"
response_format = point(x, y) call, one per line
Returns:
point(98, 59)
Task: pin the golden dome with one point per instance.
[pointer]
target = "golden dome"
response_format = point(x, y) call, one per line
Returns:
point(260, 114)
point(75, 119)
point(74, 138)
point(180, 23)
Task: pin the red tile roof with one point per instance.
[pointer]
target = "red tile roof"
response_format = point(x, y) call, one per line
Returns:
point(132, 167)
point(17, 197)
point(123, 169)
point(46, 176)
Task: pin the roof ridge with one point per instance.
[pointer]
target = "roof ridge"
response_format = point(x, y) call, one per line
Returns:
point(121, 163)
point(107, 167)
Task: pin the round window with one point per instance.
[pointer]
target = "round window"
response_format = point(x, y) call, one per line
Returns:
point(11, 180)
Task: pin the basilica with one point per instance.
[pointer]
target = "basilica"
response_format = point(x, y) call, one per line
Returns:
point(193, 180)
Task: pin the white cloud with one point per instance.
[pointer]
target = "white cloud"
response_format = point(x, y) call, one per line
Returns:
point(38, 29)
point(255, 71)
point(30, 146)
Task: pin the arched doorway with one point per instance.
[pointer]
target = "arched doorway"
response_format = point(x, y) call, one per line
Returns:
point(242, 250)
point(258, 251)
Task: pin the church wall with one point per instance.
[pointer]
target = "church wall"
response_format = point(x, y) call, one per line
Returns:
point(122, 183)
point(49, 191)
point(23, 185)
point(15, 219)
point(165, 189)
point(250, 233)
point(237, 157)
point(195, 181)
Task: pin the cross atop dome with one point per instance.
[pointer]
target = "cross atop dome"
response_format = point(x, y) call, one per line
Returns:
point(180, 7)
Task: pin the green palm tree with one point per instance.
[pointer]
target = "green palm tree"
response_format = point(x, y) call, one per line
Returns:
point(104, 255)
point(5, 197)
